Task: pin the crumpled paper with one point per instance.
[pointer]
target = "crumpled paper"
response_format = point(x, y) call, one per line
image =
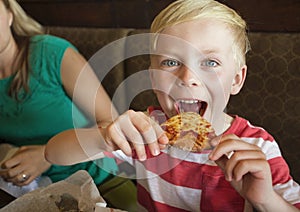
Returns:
point(76, 193)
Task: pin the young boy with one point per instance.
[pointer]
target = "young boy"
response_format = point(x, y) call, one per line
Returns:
point(198, 61)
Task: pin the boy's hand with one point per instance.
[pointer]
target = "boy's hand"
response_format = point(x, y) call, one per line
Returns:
point(134, 130)
point(247, 169)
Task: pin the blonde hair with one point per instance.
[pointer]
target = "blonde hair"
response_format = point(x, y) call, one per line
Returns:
point(23, 27)
point(188, 10)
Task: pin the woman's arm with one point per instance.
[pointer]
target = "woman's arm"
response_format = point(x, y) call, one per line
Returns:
point(83, 86)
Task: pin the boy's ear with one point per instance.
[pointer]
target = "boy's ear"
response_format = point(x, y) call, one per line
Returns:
point(238, 80)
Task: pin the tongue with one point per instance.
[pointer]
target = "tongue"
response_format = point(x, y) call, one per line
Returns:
point(187, 107)
point(197, 107)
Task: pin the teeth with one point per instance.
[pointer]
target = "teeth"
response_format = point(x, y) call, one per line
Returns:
point(189, 101)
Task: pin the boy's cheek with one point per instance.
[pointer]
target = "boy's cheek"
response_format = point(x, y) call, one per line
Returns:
point(162, 80)
point(166, 103)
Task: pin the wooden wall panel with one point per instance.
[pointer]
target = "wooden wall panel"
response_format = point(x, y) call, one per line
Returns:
point(269, 15)
point(105, 13)
point(261, 15)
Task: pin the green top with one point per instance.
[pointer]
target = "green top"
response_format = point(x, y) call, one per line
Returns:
point(46, 110)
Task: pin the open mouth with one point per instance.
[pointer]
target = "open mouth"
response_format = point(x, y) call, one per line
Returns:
point(191, 105)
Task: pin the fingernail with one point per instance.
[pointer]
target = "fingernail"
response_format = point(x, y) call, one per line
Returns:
point(156, 152)
point(164, 139)
point(143, 157)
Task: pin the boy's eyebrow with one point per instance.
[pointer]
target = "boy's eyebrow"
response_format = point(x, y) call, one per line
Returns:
point(210, 51)
point(167, 53)
point(173, 52)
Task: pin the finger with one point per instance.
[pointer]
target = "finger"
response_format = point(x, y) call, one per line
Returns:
point(118, 139)
point(239, 156)
point(153, 146)
point(215, 140)
point(127, 139)
point(228, 144)
point(26, 176)
point(162, 146)
point(161, 139)
point(258, 168)
point(133, 127)
point(221, 162)
point(11, 173)
point(3, 173)
point(150, 132)
point(160, 134)
point(12, 162)
point(22, 179)
point(221, 138)
point(144, 124)
point(126, 136)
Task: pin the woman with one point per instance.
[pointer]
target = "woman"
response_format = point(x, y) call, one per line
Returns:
point(38, 78)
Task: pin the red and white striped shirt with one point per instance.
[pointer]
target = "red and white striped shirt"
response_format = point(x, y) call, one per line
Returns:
point(177, 180)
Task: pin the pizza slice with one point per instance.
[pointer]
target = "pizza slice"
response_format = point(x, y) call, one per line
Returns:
point(189, 131)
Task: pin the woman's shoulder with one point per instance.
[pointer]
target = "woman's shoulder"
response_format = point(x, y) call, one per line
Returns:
point(46, 54)
point(49, 40)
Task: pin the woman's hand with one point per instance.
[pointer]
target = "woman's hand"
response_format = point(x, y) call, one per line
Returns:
point(246, 168)
point(25, 165)
point(134, 130)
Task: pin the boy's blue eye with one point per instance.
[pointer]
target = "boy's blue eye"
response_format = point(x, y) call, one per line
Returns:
point(170, 63)
point(210, 63)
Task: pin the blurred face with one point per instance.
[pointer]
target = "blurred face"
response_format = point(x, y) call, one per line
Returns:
point(193, 69)
point(5, 23)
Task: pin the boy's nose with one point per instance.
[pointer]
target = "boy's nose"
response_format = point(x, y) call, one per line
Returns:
point(188, 78)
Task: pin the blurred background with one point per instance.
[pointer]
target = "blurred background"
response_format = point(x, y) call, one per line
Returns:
point(261, 15)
